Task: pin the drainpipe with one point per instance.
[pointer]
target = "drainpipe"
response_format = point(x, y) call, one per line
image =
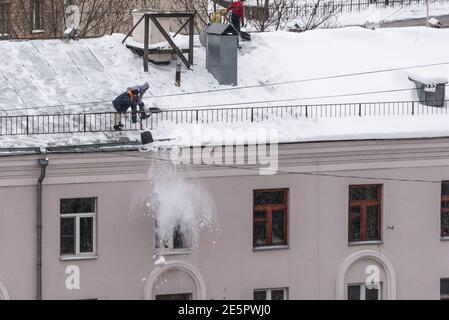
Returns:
point(43, 165)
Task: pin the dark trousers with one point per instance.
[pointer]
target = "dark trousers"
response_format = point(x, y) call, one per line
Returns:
point(235, 19)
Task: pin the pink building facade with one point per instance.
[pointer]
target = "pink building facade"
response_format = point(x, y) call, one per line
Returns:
point(103, 247)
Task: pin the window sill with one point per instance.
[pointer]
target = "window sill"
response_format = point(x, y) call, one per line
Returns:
point(361, 243)
point(174, 252)
point(267, 248)
point(37, 31)
point(444, 238)
point(74, 258)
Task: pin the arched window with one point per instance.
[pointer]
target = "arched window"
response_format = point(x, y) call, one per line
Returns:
point(4, 295)
point(390, 275)
point(175, 265)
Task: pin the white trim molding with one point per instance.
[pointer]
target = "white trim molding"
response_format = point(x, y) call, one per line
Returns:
point(4, 295)
point(200, 285)
point(390, 285)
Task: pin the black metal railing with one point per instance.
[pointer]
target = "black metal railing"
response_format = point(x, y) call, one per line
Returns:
point(104, 122)
point(297, 10)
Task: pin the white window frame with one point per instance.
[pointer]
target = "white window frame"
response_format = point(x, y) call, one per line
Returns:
point(41, 30)
point(170, 250)
point(268, 292)
point(6, 3)
point(78, 216)
point(363, 290)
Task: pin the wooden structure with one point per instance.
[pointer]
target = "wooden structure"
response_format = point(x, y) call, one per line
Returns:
point(147, 17)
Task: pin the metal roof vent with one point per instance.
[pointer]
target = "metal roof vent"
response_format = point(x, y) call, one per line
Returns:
point(221, 53)
point(431, 90)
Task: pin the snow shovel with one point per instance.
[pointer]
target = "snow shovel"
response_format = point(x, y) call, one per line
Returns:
point(144, 115)
point(147, 138)
point(244, 35)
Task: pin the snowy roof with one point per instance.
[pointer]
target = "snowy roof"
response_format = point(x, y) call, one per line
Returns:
point(51, 76)
point(37, 74)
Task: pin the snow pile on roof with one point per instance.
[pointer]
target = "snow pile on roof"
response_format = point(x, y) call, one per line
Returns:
point(428, 79)
point(286, 131)
point(38, 74)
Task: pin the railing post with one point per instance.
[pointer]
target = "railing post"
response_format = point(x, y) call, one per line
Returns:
point(360, 109)
point(85, 129)
point(27, 130)
point(252, 114)
point(196, 116)
point(413, 108)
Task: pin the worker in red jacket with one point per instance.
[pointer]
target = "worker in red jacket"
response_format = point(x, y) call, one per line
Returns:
point(237, 15)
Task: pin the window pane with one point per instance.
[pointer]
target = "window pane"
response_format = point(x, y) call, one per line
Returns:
point(278, 232)
point(445, 188)
point(269, 197)
point(371, 294)
point(444, 287)
point(277, 295)
point(2, 18)
point(87, 234)
point(260, 295)
point(354, 224)
point(179, 241)
point(176, 296)
point(81, 205)
point(260, 238)
point(371, 222)
point(37, 15)
point(259, 214)
point(354, 292)
point(364, 193)
point(68, 236)
point(444, 204)
point(162, 244)
point(445, 224)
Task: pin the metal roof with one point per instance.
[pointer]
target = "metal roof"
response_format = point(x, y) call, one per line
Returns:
point(220, 29)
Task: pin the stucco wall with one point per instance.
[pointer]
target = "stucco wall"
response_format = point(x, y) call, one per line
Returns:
point(226, 261)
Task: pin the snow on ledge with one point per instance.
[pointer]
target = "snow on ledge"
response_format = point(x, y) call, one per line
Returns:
point(427, 80)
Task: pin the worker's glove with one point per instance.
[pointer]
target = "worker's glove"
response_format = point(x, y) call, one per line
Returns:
point(141, 105)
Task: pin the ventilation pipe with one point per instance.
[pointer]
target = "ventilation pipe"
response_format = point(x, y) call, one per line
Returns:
point(43, 163)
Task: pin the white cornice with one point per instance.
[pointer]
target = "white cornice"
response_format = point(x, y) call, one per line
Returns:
point(298, 157)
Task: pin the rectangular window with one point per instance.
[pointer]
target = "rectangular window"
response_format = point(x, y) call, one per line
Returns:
point(444, 289)
point(444, 209)
point(270, 217)
point(78, 227)
point(37, 15)
point(4, 18)
point(178, 240)
point(365, 211)
point(271, 294)
point(362, 292)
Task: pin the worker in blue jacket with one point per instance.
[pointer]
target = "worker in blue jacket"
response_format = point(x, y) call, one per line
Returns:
point(130, 99)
